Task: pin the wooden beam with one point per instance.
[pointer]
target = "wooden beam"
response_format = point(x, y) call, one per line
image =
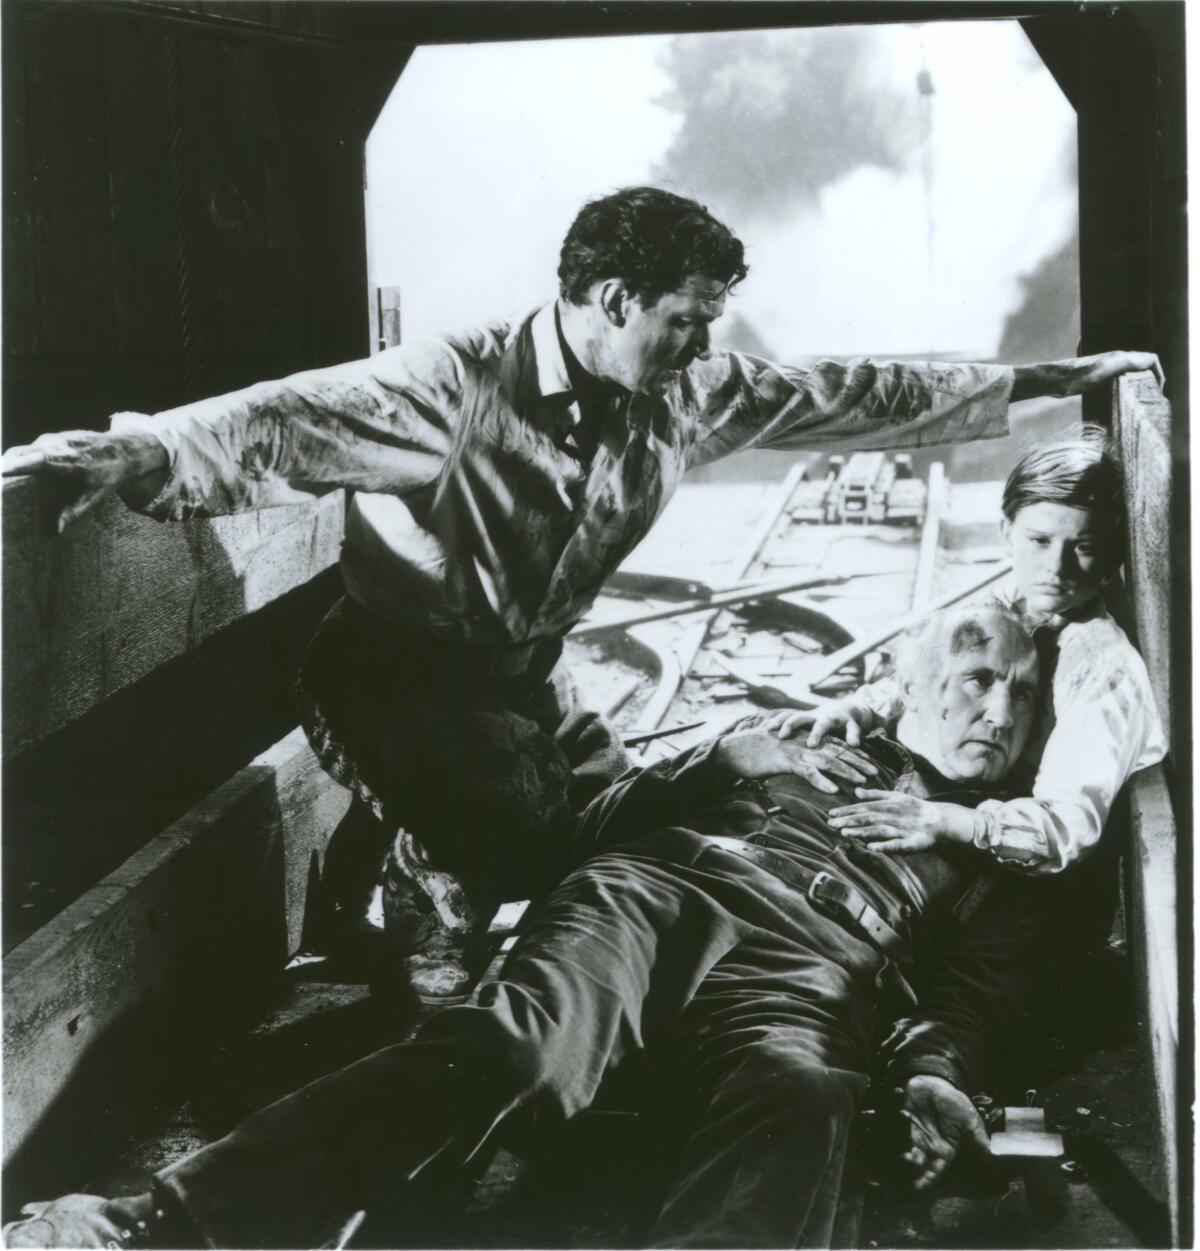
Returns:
point(91, 611)
point(935, 497)
point(178, 941)
point(1142, 428)
point(1154, 921)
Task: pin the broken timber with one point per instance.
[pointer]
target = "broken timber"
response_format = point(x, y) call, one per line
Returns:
point(722, 599)
point(1142, 428)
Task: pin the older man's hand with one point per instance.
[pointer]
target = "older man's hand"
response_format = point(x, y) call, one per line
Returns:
point(759, 753)
point(943, 1124)
point(91, 465)
point(894, 822)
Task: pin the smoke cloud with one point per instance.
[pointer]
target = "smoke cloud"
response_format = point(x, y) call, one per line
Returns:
point(1046, 325)
point(769, 118)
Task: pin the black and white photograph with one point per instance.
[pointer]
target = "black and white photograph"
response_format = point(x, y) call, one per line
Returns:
point(596, 625)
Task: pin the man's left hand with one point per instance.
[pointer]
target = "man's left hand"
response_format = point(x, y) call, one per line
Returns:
point(893, 822)
point(943, 1123)
point(1070, 377)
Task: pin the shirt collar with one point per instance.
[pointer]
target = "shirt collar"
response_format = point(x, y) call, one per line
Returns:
point(558, 371)
point(1010, 596)
point(917, 775)
point(552, 376)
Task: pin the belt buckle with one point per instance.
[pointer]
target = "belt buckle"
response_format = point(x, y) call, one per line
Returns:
point(832, 896)
point(828, 896)
point(827, 893)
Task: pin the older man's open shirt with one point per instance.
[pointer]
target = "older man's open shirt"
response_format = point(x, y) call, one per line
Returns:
point(478, 519)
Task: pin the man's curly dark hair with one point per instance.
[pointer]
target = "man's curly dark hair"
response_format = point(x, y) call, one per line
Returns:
point(652, 240)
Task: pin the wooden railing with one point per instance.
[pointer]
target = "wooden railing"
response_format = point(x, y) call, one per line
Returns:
point(93, 610)
point(1142, 429)
point(106, 997)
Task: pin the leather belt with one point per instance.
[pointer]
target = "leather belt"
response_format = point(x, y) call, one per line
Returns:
point(839, 900)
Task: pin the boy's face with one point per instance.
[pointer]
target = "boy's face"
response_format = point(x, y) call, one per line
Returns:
point(1061, 555)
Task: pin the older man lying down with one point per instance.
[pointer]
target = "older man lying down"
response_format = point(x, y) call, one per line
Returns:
point(720, 924)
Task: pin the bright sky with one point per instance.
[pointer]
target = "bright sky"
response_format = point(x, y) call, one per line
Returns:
point(484, 153)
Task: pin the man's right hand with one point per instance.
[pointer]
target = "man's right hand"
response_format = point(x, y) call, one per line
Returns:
point(760, 753)
point(91, 465)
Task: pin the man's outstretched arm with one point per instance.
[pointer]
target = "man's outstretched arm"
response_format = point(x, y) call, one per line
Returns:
point(742, 402)
point(380, 424)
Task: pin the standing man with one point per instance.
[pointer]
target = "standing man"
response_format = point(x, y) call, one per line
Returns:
point(501, 475)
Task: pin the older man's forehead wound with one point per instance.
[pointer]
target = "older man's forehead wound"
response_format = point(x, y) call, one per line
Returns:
point(969, 636)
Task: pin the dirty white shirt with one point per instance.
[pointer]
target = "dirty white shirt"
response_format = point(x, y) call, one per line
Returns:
point(477, 517)
point(1098, 726)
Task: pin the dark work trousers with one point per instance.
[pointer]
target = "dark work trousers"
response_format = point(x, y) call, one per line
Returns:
point(402, 721)
point(668, 944)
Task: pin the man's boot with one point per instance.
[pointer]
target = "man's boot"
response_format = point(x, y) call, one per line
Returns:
point(437, 920)
point(351, 874)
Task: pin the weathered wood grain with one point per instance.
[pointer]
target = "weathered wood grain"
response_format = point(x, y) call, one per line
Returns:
point(146, 277)
point(72, 260)
point(88, 612)
point(1142, 428)
point(174, 940)
point(1155, 937)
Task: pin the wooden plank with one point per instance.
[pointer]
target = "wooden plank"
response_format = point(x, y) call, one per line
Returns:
point(221, 83)
point(19, 284)
point(284, 80)
point(935, 502)
point(205, 914)
point(389, 315)
point(1142, 428)
point(1155, 928)
point(146, 280)
point(88, 612)
point(73, 263)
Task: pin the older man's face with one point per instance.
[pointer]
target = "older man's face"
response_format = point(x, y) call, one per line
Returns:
point(658, 341)
point(973, 704)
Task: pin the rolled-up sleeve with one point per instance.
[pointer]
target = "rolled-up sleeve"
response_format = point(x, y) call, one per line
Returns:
point(1106, 729)
point(383, 424)
point(742, 402)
